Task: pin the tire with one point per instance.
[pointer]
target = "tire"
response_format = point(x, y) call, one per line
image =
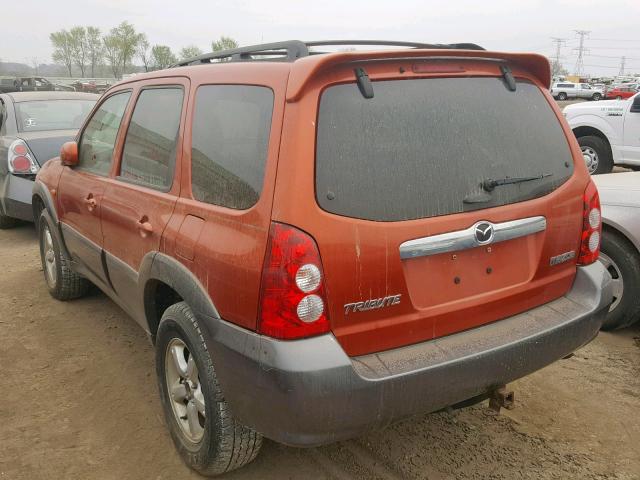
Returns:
point(562, 96)
point(217, 443)
point(62, 282)
point(7, 222)
point(599, 154)
point(622, 261)
point(596, 97)
point(618, 97)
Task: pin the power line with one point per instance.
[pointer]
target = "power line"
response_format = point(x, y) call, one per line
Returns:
point(581, 51)
point(615, 40)
point(611, 56)
point(627, 67)
point(558, 43)
point(613, 48)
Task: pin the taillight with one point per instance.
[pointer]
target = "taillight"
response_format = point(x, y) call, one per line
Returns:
point(292, 295)
point(591, 226)
point(20, 160)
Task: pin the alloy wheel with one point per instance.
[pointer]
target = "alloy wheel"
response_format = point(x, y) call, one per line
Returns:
point(591, 158)
point(185, 390)
point(51, 273)
point(617, 281)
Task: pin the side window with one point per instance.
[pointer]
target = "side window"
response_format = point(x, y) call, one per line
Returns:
point(150, 146)
point(231, 127)
point(99, 137)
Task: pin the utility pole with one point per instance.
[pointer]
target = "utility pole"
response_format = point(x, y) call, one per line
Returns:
point(622, 61)
point(557, 66)
point(581, 51)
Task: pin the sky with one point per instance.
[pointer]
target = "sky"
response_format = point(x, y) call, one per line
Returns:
point(516, 25)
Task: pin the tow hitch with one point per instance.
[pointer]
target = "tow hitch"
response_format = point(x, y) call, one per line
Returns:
point(501, 398)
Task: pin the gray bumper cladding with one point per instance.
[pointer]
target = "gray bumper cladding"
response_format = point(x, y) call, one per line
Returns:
point(309, 392)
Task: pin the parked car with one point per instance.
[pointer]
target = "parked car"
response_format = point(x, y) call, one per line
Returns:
point(608, 133)
point(566, 90)
point(8, 85)
point(90, 86)
point(620, 253)
point(314, 253)
point(31, 84)
point(621, 93)
point(33, 127)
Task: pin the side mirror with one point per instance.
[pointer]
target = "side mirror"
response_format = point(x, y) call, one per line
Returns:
point(635, 106)
point(69, 154)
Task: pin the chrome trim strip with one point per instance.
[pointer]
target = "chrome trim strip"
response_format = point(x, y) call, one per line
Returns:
point(465, 239)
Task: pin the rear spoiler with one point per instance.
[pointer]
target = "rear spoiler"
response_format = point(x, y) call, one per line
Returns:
point(303, 69)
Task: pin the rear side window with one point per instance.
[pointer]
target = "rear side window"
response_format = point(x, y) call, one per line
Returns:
point(46, 115)
point(231, 128)
point(99, 136)
point(422, 148)
point(149, 151)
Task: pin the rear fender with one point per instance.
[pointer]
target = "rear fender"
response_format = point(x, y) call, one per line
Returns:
point(158, 267)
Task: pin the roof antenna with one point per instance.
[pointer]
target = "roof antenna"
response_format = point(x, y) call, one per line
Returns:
point(364, 84)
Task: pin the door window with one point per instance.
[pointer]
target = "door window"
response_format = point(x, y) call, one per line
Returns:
point(150, 147)
point(95, 150)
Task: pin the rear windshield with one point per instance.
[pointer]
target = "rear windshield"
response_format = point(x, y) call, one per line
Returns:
point(423, 148)
point(52, 114)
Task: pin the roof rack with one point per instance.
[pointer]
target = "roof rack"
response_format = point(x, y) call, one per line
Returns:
point(291, 50)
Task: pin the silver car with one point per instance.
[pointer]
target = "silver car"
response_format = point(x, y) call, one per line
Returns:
point(620, 251)
point(33, 127)
point(567, 90)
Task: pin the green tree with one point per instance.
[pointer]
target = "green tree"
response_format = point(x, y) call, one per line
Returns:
point(95, 49)
point(121, 45)
point(143, 52)
point(62, 49)
point(189, 52)
point(113, 54)
point(224, 43)
point(79, 47)
point(162, 57)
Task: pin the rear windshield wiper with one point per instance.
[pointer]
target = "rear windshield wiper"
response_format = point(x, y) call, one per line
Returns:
point(489, 184)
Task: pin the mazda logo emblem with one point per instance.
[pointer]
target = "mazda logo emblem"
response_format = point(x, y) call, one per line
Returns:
point(483, 233)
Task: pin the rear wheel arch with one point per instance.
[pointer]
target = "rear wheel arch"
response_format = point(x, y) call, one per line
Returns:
point(166, 282)
point(585, 131)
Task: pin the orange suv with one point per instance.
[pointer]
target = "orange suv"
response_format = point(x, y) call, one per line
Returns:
point(320, 243)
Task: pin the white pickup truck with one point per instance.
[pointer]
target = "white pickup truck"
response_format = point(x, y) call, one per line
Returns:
point(608, 132)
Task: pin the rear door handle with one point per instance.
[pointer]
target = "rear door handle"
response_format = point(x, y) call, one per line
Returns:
point(90, 202)
point(144, 227)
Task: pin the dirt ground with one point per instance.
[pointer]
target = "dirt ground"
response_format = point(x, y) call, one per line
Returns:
point(78, 400)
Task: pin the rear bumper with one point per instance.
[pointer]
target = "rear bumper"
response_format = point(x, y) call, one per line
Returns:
point(15, 197)
point(309, 392)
